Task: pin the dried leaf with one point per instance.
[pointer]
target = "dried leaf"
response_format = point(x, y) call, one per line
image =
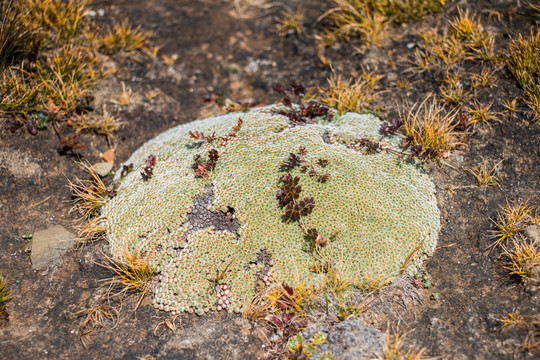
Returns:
point(238, 126)
point(108, 156)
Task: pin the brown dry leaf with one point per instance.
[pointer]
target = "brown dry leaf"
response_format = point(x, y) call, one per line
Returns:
point(108, 156)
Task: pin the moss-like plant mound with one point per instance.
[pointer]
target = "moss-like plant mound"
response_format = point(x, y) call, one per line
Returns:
point(216, 232)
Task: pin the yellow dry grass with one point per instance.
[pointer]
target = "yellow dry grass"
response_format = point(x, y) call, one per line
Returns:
point(429, 124)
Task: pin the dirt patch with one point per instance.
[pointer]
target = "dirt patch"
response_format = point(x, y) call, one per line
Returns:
point(200, 217)
point(18, 164)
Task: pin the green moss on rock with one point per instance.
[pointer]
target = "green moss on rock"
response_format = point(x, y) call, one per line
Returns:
point(383, 210)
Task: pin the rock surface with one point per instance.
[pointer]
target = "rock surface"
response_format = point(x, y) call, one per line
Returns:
point(533, 232)
point(48, 245)
point(214, 340)
point(102, 168)
point(19, 164)
point(349, 339)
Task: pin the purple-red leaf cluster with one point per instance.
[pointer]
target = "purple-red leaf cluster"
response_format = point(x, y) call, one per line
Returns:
point(424, 154)
point(201, 136)
point(305, 112)
point(126, 169)
point(464, 121)
point(395, 125)
point(148, 169)
point(204, 165)
point(294, 210)
point(299, 159)
point(285, 299)
point(418, 151)
point(292, 162)
point(71, 143)
point(290, 191)
point(283, 320)
point(196, 135)
point(288, 195)
point(366, 144)
point(320, 177)
point(18, 126)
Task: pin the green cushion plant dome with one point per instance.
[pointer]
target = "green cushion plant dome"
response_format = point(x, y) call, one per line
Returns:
point(200, 205)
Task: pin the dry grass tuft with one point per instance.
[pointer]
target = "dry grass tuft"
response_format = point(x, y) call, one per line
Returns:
point(258, 308)
point(429, 124)
point(5, 294)
point(20, 92)
point(467, 27)
point(510, 221)
point(336, 295)
point(512, 319)
point(126, 95)
point(533, 100)
point(345, 296)
point(18, 38)
point(452, 90)
point(523, 60)
point(132, 273)
point(523, 260)
point(346, 94)
point(104, 123)
point(481, 114)
point(96, 320)
point(291, 23)
point(396, 349)
point(300, 300)
point(48, 56)
point(484, 177)
point(483, 80)
point(60, 21)
point(93, 230)
point(442, 51)
point(510, 107)
point(89, 195)
point(66, 77)
point(355, 18)
point(445, 50)
point(123, 38)
point(370, 20)
point(352, 13)
point(529, 323)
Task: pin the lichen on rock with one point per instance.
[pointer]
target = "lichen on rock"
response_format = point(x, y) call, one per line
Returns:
point(215, 239)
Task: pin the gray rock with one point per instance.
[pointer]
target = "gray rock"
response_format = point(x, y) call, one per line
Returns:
point(350, 339)
point(392, 77)
point(374, 56)
point(533, 233)
point(102, 168)
point(215, 337)
point(48, 245)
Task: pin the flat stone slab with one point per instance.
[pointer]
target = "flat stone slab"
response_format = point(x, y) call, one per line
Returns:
point(50, 244)
point(102, 168)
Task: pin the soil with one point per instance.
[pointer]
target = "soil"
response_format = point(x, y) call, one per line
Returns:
point(240, 55)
